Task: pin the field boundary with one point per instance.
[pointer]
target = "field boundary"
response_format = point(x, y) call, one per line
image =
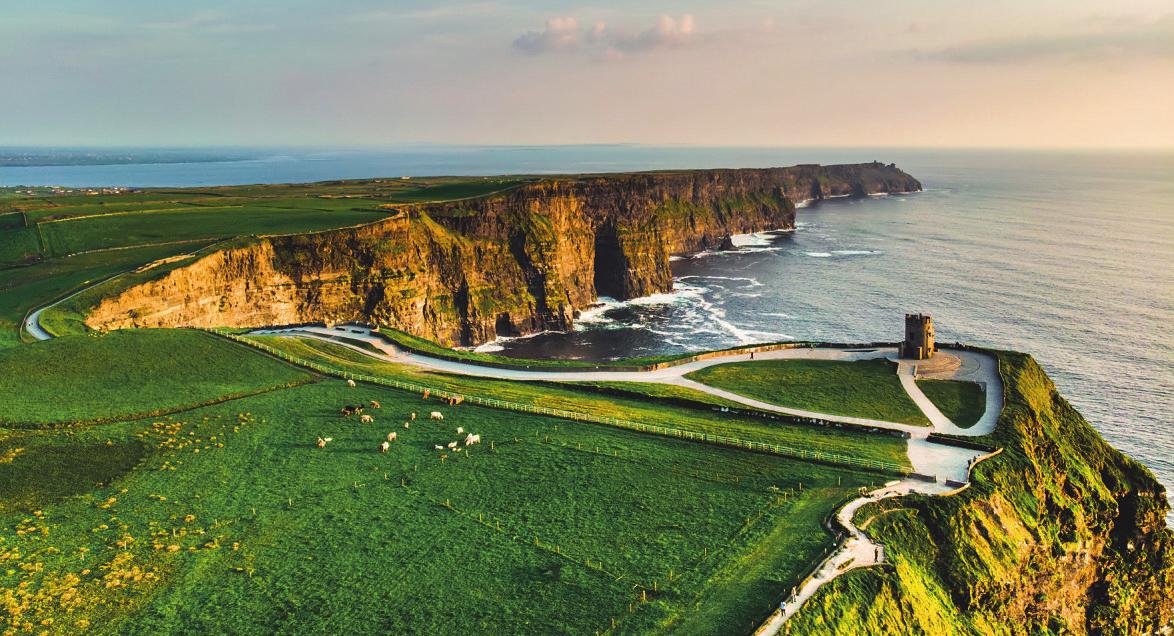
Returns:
point(240, 395)
point(707, 438)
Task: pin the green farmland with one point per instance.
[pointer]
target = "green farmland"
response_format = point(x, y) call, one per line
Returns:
point(273, 531)
point(866, 388)
point(169, 481)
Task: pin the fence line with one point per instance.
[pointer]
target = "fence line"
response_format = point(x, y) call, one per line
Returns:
point(708, 438)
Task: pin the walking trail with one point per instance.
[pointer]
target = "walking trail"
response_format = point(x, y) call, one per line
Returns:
point(927, 458)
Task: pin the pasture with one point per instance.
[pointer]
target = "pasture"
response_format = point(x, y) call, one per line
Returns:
point(962, 402)
point(228, 519)
point(641, 408)
point(864, 388)
point(129, 373)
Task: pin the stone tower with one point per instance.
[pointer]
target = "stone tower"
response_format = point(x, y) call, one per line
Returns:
point(919, 342)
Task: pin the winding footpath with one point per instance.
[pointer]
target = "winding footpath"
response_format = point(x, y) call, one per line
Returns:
point(949, 465)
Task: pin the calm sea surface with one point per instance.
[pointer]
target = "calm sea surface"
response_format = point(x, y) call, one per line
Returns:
point(1069, 257)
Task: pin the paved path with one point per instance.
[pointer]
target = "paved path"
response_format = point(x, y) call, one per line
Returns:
point(943, 462)
point(927, 458)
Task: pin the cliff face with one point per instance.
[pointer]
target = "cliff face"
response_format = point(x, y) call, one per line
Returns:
point(514, 263)
point(1060, 533)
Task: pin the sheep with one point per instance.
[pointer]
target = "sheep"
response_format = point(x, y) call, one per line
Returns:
point(452, 444)
point(460, 429)
point(350, 382)
point(437, 415)
point(391, 437)
point(384, 446)
point(471, 439)
point(413, 416)
point(375, 405)
point(407, 425)
point(439, 447)
point(366, 419)
point(321, 442)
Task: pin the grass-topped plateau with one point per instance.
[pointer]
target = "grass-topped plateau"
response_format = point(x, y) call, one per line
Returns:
point(865, 388)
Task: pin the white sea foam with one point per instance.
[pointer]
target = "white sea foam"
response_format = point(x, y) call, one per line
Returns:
point(856, 252)
point(819, 254)
point(750, 282)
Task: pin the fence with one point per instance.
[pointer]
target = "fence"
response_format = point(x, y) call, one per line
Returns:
point(708, 438)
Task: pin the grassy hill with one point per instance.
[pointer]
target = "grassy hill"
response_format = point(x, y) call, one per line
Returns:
point(1058, 534)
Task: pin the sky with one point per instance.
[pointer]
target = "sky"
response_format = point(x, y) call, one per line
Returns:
point(883, 73)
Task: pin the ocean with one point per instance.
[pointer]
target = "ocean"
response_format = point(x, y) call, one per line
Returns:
point(1068, 256)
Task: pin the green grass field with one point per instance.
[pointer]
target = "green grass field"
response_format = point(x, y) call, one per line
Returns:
point(866, 388)
point(128, 373)
point(962, 402)
point(25, 288)
point(138, 228)
point(639, 408)
point(520, 536)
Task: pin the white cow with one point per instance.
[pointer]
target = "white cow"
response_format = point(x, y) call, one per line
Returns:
point(366, 419)
point(391, 437)
point(437, 415)
point(384, 446)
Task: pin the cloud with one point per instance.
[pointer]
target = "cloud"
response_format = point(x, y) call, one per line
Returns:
point(565, 34)
point(1121, 39)
point(561, 33)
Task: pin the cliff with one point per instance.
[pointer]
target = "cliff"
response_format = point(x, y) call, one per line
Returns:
point(1060, 533)
point(464, 272)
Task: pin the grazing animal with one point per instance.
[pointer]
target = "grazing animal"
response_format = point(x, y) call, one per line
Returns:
point(375, 405)
point(384, 446)
point(407, 425)
point(350, 383)
point(437, 415)
point(391, 437)
point(321, 443)
point(471, 439)
point(439, 447)
point(460, 429)
point(348, 411)
point(413, 416)
point(452, 444)
point(366, 419)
